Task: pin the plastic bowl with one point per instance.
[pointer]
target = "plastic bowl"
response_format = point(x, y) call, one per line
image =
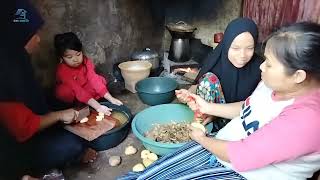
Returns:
point(115, 136)
point(156, 90)
point(134, 71)
point(161, 114)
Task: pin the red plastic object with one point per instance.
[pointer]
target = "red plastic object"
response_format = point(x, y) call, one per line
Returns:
point(217, 37)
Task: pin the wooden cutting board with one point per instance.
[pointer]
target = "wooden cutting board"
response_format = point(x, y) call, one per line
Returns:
point(92, 129)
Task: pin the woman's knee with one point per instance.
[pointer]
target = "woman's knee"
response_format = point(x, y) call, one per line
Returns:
point(68, 144)
point(56, 148)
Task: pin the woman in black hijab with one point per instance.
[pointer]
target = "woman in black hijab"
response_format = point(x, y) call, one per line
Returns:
point(31, 139)
point(18, 80)
point(230, 73)
point(237, 82)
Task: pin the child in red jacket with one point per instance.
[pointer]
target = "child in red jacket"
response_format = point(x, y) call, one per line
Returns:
point(76, 79)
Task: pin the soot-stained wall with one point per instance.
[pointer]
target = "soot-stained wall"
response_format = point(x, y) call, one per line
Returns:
point(111, 30)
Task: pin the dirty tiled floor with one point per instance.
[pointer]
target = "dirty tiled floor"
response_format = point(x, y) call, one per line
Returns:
point(100, 169)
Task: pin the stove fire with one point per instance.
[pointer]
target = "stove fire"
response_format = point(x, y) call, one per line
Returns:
point(183, 72)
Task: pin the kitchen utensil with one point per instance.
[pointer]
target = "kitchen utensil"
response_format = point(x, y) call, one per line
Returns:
point(134, 71)
point(180, 26)
point(92, 129)
point(147, 55)
point(161, 114)
point(181, 33)
point(83, 112)
point(116, 135)
point(156, 90)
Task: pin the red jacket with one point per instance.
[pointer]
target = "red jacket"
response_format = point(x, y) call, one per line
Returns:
point(19, 120)
point(81, 83)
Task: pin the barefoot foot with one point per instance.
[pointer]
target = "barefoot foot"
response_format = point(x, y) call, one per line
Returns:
point(89, 156)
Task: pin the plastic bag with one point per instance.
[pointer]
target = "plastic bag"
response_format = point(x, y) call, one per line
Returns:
point(54, 174)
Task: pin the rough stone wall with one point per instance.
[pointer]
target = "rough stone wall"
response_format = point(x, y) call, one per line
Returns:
point(208, 16)
point(111, 30)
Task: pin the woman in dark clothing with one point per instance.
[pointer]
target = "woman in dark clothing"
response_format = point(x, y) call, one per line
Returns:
point(18, 79)
point(230, 72)
point(32, 139)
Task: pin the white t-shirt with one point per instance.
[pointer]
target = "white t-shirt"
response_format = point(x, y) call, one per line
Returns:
point(271, 152)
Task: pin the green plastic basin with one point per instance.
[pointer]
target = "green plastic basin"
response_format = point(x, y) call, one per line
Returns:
point(156, 90)
point(161, 114)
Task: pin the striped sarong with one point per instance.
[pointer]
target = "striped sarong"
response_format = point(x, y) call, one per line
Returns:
point(191, 161)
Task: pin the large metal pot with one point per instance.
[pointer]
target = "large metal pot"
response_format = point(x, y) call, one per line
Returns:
point(181, 33)
point(147, 55)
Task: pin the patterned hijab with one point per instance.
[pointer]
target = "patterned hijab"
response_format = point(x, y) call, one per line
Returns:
point(237, 83)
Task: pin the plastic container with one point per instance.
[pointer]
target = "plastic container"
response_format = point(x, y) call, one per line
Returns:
point(134, 71)
point(161, 114)
point(156, 90)
point(115, 136)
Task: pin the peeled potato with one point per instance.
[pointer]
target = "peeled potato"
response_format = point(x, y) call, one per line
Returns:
point(152, 157)
point(198, 125)
point(84, 120)
point(138, 167)
point(146, 162)
point(99, 118)
point(114, 160)
point(144, 154)
point(130, 150)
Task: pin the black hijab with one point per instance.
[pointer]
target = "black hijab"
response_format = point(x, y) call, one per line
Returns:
point(17, 78)
point(237, 83)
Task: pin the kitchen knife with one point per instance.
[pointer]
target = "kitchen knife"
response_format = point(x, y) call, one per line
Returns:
point(83, 112)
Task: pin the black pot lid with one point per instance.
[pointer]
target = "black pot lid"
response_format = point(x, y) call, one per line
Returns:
point(145, 54)
point(180, 26)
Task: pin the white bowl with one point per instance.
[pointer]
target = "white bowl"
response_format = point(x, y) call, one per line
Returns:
point(134, 71)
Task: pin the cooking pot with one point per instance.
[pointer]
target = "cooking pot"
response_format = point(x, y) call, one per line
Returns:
point(181, 33)
point(147, 55)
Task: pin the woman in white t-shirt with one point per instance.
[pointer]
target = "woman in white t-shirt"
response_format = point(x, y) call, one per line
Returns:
point(275, 136)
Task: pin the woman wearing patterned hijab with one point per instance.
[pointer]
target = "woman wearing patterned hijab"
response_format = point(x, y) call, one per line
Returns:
point(230, 72)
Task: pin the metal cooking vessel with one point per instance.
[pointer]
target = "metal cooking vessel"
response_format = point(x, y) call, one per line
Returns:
point(181, 33)
point(147, 55)
point(180, 26)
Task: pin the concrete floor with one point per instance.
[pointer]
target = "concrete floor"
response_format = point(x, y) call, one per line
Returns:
point(100, 169)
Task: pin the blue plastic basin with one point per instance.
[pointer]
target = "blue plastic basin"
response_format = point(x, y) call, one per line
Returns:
point(156, 90)
point(161, 114)
point(115, 136)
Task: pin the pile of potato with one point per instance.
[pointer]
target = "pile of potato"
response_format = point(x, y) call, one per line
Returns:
point(147, 159)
